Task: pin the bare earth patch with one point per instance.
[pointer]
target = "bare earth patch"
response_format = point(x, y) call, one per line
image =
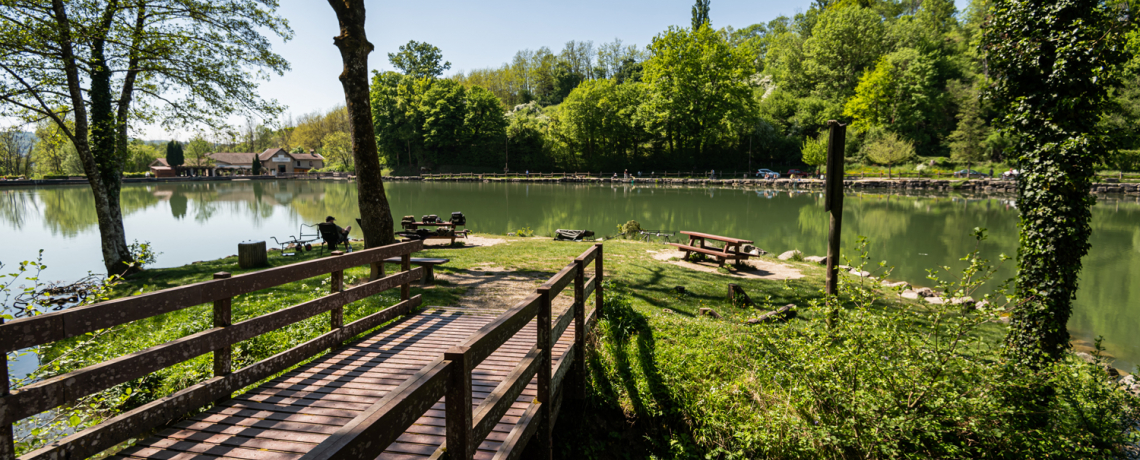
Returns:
point(755, 268)
point(472, 241)
point(492, 290)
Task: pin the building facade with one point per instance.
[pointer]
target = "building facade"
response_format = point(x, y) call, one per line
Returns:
point(273, 161)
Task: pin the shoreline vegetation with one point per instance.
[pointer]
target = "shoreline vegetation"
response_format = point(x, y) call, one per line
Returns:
point(988, 186)
point(887, 376)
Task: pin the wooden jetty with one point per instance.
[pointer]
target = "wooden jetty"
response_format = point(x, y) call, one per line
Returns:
point(436, 383)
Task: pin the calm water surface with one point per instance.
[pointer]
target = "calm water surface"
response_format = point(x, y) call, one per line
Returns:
point(188, 222)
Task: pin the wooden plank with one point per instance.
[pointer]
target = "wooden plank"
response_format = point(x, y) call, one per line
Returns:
point(371, 432)
point(418, 260)
point(512, 448)
point(489, 337)
point(51, 327)
point(562, 323)
point(711, 252)
point(62, 389)
point(561, 368)
point(493, 408)
point(559, 281)
point(718, 238)
point(458, 407)
point(587, 256)
point(590, 285)
point(159, 412)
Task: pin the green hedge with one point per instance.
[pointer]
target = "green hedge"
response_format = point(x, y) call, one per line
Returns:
point(56, 176)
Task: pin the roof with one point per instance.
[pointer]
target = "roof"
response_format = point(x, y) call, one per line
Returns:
point(160, 168)
point(160, 162)
point(270, 153)
point(242, 158)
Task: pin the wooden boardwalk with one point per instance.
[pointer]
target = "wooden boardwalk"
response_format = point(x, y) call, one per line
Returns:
point(438, 383)
point(290, 415)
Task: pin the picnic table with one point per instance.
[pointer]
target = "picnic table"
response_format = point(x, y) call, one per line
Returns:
point(732, 247)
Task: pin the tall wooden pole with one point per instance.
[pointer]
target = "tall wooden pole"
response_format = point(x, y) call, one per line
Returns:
point(833, 200)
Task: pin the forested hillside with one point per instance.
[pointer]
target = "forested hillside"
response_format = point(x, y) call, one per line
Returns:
point(905, 74)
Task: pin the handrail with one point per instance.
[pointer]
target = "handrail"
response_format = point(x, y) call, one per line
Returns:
point(367, 435)
point(63, 389)
point(53, 327)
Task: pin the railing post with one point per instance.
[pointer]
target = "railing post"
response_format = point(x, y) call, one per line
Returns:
point(598, 283)
point(542, 449)
point(7, 438)
point(223, 317)
point(406, 288)
point(336, 282)
point(457, 405)
point(576, 367)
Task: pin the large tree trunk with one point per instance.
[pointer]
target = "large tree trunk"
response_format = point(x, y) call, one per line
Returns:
point(101, 162)
point(375, 215)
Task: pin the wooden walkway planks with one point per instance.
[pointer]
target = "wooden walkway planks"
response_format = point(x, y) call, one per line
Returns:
point(287, 416)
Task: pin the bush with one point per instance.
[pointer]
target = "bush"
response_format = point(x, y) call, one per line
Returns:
point(629, 229)
point(56, 176)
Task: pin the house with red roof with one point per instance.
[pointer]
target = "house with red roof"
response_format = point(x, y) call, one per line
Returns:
point(273, 161)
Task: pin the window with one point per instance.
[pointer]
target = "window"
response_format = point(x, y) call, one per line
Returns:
point(298, 163)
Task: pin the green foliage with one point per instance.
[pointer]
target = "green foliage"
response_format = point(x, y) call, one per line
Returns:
point(255, 167)
point(701, 14)
point(419, 60)
point(1055, 64)
point(524, 232)
point(906, 94)
point(890, 379)
point(174, 154)
point(815, 150)
point(427, 122)
point(887, 148)
point(629, 229)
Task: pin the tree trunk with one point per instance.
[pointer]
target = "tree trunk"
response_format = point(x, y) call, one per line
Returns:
point(101, 163)
point(375, 214)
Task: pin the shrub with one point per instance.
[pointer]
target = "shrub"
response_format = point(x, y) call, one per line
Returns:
point(56, 176)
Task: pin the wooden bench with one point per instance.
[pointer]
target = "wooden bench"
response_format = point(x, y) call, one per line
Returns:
point(731, 248)
point(427, 263)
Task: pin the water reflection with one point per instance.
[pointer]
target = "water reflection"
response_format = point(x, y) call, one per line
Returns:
point(203, 220)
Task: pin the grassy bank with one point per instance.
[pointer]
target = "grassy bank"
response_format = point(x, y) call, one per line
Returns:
point(888, 378)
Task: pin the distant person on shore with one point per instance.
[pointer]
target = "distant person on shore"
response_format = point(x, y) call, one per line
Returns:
point(343, 232)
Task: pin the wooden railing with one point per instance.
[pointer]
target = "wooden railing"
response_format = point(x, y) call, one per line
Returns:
point(370, 433)
point(54, 392)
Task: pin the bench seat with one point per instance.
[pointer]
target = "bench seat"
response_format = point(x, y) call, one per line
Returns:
point(428, 263)
point(720, 255)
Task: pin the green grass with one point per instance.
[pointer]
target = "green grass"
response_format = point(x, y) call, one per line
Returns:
point(664, 382)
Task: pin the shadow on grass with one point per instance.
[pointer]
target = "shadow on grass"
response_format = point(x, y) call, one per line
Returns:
point(601, 428)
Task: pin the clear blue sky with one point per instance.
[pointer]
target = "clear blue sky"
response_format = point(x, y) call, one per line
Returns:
point(477, 34)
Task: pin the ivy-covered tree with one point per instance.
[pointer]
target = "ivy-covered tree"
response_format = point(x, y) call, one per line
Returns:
point(1052, 63)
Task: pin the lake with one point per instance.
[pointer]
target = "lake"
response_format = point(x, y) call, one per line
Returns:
point(193, 221)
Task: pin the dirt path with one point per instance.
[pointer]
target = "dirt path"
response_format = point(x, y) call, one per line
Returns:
point(492, 290)
point(755, 268)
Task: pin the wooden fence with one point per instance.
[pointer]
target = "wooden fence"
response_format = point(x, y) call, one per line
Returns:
point(64, 389)
point(370, 433)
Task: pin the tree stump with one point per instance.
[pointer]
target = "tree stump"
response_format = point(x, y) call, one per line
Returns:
point(738, 298)
point(252, 254)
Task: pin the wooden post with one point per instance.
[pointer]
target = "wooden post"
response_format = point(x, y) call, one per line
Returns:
point(598, 283)
point(457, 405)
point(7, 438)
point(251, 254)
point(336, 315)
point(577, 370)
point(406, 288)
point(543, 446)
point(833, 200)
point(223, 317)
